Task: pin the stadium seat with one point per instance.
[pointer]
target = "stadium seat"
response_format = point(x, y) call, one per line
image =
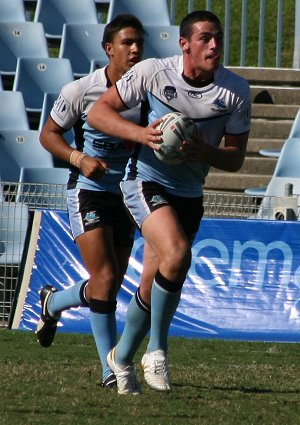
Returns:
point(287, 172)
point(13, 113)
point(270, 153)
point(12, 11)
point(277, 153)
point(152, 12)
point(81, 43)
point(37, 76)
point(21, 149)
point(13, 227)
point(49, 99)
point(98, 63)
point(161, 41)
point(53, 14)
point(19, 39)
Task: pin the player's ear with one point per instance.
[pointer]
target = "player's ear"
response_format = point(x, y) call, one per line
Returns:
point(184, 44)
point(109, 49)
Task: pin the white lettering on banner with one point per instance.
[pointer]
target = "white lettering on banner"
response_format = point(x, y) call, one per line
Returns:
point(235, 263)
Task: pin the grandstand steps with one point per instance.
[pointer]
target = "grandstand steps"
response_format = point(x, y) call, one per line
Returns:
point(276, 99)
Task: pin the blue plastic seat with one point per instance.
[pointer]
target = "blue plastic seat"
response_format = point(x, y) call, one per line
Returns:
point(53, 14)
point(19, 39)
point(161, 41)
point(152, 12)
point(98, 63)
point(12, 11)
point(286, 174)
point(37, 76)
point(81, 43)
point(270, 153)
point(256, 191)
point(286, 165)
point(14, 114)
point(21, 149)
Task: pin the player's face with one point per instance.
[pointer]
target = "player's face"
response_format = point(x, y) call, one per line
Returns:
point(126, 49)
point(204, 48)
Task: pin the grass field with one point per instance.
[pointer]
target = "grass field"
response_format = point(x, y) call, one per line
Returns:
point(214, 382)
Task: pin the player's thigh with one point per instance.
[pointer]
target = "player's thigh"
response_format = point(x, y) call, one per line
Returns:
point(163, 231)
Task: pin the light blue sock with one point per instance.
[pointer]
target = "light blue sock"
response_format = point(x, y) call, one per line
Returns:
point(105, 334)
point(163, 307)
point(137, 325)
point(67, 298)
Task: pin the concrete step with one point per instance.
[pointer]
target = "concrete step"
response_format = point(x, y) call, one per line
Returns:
point(269, 76)
point(275, 95)
point(270, 111)
point(254, 145)
point(255, 165)
point(268, 129)
point(234, 182)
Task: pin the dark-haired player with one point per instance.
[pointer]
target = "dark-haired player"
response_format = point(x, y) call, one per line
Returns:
point(100, 226)
point(166, 200)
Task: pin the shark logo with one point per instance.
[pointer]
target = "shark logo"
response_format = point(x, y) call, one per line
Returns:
point(90, 218)
point(219, 106)
point(157, 200)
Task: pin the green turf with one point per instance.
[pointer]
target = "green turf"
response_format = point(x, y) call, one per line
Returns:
point(214, 382)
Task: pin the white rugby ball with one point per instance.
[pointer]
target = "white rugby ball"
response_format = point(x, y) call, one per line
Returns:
point(176, 128)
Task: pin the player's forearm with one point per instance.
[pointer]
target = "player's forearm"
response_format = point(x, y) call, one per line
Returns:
point(55, 144)
point(224, 158)
point(105, 119)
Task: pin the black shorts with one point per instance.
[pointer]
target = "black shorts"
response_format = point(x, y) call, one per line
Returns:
point(142, 198)
point(90, 209)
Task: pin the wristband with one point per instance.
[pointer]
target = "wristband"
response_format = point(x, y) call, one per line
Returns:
point(76, 158)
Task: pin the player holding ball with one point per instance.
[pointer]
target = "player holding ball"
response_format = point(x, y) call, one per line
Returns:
point(166, 200)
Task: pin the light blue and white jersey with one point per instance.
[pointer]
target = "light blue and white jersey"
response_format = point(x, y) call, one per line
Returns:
point(221, 107)
point(73, 104)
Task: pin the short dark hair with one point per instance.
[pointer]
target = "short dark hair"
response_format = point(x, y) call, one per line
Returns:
point(186, 26)
point(117, 24)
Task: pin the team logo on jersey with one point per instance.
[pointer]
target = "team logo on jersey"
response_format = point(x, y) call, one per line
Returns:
point(91, 218)
point(169, 92)
point(219, 106)
point(195, 94)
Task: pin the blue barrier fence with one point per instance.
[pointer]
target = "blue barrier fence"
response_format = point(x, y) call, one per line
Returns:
point(244, 282)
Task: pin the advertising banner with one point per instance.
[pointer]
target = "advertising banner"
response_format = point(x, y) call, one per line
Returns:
point(244, 281)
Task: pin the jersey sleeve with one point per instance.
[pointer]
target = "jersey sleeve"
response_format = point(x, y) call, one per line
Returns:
point(240, 119)
point(133, 86)
point(66, 109)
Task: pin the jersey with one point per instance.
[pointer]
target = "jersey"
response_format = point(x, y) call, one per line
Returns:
point(223, 106)
point(73, 104)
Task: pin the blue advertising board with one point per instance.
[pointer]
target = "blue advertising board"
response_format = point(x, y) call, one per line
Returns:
point(244, 281)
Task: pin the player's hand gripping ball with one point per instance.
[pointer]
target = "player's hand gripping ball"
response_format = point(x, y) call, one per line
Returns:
point(176, 128)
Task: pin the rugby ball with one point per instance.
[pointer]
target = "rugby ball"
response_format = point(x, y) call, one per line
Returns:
point(176, 128)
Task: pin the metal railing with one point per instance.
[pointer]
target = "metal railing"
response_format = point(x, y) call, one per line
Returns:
point(264, 27)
